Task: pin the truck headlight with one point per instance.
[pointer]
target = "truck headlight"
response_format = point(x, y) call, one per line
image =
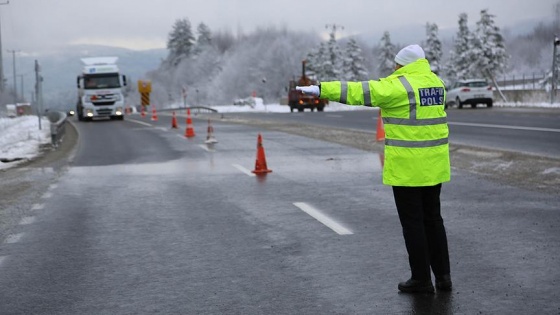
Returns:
point(89, 113)
point(119, 111)
point(118, 97)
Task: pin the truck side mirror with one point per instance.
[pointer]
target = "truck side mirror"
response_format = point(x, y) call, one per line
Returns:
point(124, 80)
point(78, 82)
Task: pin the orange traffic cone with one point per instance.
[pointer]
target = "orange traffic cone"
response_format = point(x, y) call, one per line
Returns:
point(380, 134)
point(143, 111)
point(189, 132)
point(260, 163)
point(174, 121)
point(210, 137)
point(154, 114)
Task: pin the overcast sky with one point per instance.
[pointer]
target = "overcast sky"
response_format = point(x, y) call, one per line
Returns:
point(33, 25)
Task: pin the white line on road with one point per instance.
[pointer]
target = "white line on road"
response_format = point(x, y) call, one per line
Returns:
point(13, 238)
point(139, 122)
point(205, 147)
point(2, 259)
point(27, 220)
point(37, 206)
point(53, 186)
point(504, 127)
point(244, 170)
point(329, 222)
point(47, 195)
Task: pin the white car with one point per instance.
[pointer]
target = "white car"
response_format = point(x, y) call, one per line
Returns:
point(473, 92)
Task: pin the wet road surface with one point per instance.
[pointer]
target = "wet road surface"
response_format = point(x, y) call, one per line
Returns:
point(145, 221)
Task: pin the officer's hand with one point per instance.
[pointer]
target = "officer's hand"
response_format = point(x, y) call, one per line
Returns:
point(309, 90)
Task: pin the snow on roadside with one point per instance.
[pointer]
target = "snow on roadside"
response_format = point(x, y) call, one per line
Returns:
point(20, 138)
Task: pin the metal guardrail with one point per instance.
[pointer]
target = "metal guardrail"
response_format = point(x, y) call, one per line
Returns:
point(58, 127)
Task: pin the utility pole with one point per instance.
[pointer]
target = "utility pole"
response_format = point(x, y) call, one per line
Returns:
point(1, 60)
point(13, 52)
point(554, 83)
point(333, 28)
point(38, 91)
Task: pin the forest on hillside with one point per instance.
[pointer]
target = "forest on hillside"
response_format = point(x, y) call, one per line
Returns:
point(216, 68)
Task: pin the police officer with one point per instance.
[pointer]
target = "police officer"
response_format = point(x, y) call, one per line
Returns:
point(411, 101)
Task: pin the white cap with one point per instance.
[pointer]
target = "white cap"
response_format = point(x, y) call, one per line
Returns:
point(409, 54)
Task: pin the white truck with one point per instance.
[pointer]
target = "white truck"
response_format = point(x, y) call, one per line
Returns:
point(100, 89)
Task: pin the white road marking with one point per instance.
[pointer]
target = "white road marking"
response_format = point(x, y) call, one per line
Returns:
point(244, 170)
point(53, 186)
point(504, 127)
point(13, 238)
point(37, 206)
point(47, 195)
point(2, 259)
point(329, 222)
point(205, 147)
point(334, 116)
point(27, 220)
point(139, 122)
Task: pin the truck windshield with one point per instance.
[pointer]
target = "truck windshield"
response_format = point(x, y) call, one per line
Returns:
point(102, 81)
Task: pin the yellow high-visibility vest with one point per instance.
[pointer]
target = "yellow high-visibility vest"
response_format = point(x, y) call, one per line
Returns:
point(411, 101)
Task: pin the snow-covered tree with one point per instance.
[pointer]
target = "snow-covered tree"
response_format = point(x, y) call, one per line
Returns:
point(353, 68)
point(386, 57)
point(432, 47)
point(180, 41)
point(204, 39)
point(459, 57)
point(489, 57)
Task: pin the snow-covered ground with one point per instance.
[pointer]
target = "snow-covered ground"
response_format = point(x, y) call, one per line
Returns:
point(20, 138)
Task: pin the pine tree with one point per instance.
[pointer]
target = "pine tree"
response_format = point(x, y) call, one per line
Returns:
point(332, 65)
point(204, 38)
point(180, 41)
point(353, 62)
point(488, 49)
point(459, 60)
point(387, 56)
point(432, 48)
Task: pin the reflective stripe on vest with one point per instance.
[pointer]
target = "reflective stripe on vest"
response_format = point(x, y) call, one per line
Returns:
point(365, 89)
point(413, 121)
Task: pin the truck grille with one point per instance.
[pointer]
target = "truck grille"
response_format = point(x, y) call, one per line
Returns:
point(104, 103)
point(104, 111)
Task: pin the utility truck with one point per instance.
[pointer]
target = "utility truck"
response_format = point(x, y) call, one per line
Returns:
point(300, 101)
point(100, 89)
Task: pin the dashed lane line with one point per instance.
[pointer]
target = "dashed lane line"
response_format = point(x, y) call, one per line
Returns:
point(321, 217)
point(38, 206)
point(242, 169)
point(27, 220)
point(13, 238)
point(139, 122)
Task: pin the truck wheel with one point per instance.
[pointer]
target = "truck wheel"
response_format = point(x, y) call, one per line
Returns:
point(489, 104)
point(320, 108)
point(300, 109)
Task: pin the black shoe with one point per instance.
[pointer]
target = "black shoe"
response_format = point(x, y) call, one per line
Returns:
point(444, 283)
point(415, 286)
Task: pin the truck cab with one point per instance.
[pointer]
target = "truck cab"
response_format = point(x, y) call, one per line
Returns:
point(100, 89)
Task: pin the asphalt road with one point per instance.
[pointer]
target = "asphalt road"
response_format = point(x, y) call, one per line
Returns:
point(144, 221)
point(534, 131)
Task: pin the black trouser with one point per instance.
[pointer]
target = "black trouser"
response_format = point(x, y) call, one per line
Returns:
point(423, 230)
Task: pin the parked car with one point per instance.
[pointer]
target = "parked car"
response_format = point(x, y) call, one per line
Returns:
point(473, 92)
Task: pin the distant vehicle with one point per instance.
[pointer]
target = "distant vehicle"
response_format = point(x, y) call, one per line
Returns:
point(11, 110)
point(299, 101)
point(473, 92)
point(100, 89)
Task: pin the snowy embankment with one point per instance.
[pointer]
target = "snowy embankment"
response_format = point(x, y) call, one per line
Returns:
point(20, 138)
